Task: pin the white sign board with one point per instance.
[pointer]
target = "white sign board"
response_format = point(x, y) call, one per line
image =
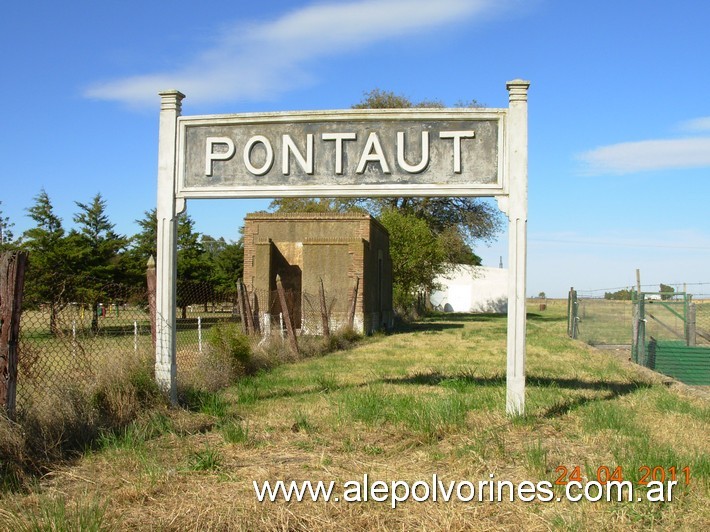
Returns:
point(349, 153)
point(342, 153)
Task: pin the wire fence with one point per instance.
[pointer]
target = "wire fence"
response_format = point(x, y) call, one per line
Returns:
point(603, 322)
point(66, 342)
point(595, 317)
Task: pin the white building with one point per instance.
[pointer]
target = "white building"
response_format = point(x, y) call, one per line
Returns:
point(472, 289)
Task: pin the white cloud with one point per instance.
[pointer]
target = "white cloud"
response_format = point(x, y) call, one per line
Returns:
point(697, 124)
point(646, 155)
point(263, 59)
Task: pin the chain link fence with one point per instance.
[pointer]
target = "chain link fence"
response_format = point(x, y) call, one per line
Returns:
point(267, 318)
point(701, 317)
point(70, 342)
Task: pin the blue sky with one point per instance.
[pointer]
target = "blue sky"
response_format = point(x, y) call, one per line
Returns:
point(619, 119)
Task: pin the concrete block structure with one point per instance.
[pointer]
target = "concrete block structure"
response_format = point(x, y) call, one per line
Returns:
point(477, 289)
point(343, 250)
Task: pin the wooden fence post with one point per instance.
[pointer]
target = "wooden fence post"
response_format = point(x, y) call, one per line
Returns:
point(256, 322)
point(12, 280)
point(353, 304)
point(151, 282)
point(324, 312)
point(249, 316)
point(242, 307)
point(287, 316)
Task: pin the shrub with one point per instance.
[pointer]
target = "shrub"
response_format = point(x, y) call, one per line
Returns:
point(228, 356)
point(227, 339)
point(343, 339)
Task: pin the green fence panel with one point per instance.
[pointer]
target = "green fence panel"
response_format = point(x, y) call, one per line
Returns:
point(688, 364)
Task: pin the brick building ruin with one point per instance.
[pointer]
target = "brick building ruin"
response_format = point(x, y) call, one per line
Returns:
point(347, 252)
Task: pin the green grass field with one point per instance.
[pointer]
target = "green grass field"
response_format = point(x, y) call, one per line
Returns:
point(428, 400)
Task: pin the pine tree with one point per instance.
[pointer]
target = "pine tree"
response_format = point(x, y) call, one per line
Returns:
point(195, 266)
point(6, 236)
point(227, 259)
point(141, 247)
point(50, 278)
point(98, 248)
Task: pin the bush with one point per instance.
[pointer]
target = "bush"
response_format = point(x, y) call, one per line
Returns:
point(343, 339)
point(226, 340)
point(228, 356)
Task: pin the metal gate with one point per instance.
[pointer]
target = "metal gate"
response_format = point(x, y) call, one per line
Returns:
point(666, 336)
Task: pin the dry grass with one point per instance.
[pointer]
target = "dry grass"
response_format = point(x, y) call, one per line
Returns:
point(68, 417)
point(398, 407)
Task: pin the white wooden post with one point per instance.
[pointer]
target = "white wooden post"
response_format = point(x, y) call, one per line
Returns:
point(517, 211)
point(166, 271)
point(199, 334)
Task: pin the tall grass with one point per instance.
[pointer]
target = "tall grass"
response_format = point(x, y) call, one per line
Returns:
point(429, 417)
point(231, 355)
point(56, 514)
point(74, 416)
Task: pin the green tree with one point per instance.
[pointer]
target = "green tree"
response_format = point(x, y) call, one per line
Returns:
point(194, 262)
point(6, 236)
point(99, 251)
point(195, 267)
point(382, 99)
point(227, 259)
point(417, 256)
point(50, 278)
point(102, 247)
point(667, 291)
point(620, 295)
point(141, 247)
